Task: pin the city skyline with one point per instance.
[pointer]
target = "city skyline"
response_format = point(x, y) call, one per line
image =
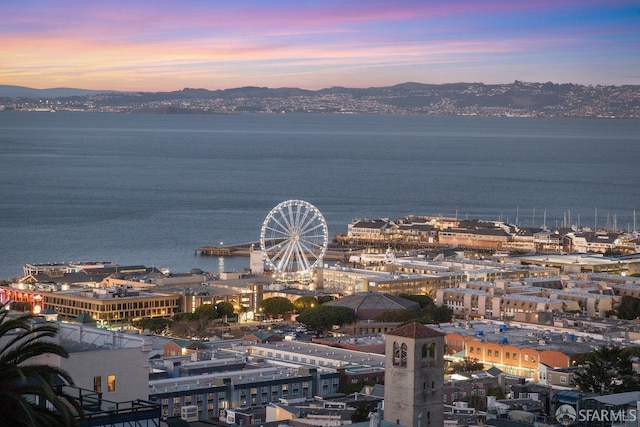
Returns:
point(162, 46)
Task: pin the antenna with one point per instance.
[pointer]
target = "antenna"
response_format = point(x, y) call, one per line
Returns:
point(533, 217)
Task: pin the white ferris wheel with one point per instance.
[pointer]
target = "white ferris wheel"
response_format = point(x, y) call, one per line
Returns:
point(294, 238)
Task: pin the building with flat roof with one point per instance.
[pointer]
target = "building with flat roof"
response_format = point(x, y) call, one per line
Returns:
point(104, 361)
point(518, 348)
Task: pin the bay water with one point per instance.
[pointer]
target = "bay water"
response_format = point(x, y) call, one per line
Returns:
point(150, 189)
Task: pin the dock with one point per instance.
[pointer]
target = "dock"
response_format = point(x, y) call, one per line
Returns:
point(334, 253)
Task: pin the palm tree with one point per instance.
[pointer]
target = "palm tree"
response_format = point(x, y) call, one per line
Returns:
point(29, 396)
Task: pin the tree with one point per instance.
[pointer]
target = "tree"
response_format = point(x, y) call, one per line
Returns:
point(207, 311)
point(497, 392)
point(468, 364)
point(224, 309)
point(276, 306)
point(326, 298)
point(323, 317)
point(431, 313)
point(608, 370)
point(28, 396)
point(303, 303)
point(155, 325)
point(361, 413)
point(438, 314)
point(423, 300)
point(629, 308)
point(186, 317)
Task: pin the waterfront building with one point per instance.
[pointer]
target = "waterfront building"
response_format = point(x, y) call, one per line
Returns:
point(370, 230)
point(474, 238)
point(106, 306)
point(348, 281)
point(572, 263)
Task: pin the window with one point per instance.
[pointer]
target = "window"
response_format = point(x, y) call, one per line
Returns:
point(97, 384)
point(470, 349)
point(488, 352)
point(111, 383)
point(396, 353)
point(496, 353)
point(403, 356)
point(507, 355)
point(526, 357)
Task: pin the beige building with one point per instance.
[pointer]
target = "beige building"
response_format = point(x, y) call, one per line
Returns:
point(107, 362)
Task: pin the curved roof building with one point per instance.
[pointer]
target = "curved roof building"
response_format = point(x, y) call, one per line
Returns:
point(370, 305)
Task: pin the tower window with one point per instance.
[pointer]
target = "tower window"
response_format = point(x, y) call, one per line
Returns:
point(403, 354)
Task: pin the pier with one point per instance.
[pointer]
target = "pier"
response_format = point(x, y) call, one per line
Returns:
point(242, 249)
point(337, 250)
point(334, 252)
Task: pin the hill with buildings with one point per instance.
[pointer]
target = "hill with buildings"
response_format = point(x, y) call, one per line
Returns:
point(519, 99)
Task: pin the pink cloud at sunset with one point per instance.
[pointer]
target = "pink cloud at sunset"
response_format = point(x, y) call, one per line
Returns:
point(166, 45)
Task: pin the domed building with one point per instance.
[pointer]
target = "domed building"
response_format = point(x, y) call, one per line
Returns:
point(369, 306)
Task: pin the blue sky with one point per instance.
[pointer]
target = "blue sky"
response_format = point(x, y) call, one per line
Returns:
point(169, 45)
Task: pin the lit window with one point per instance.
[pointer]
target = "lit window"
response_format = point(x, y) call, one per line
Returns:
point(111, 383)
point(97, 384)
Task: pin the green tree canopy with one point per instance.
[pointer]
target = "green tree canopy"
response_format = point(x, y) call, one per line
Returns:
point(207, 311)
point(431, 313)
point(468, 364)
point(608, 370)
point(437, 314)
point(423, 300)
point(323, 317)
point(361, 413)
point(326, 298)
point(276, 306)
point(187, 317)
point(24, 381)
point(224, 309)
point(303, 303)
point(155, 325)
point(628, 308)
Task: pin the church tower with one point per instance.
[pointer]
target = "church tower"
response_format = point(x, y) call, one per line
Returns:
point(414, 376)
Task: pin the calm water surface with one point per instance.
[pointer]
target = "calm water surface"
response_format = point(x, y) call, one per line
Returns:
point(149, 189)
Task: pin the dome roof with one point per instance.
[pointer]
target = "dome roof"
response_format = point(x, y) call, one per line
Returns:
point(370, 305)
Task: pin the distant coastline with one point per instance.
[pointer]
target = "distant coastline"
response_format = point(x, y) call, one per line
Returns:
point(517, 99)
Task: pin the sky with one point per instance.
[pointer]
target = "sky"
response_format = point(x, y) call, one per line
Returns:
point(163, 45)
